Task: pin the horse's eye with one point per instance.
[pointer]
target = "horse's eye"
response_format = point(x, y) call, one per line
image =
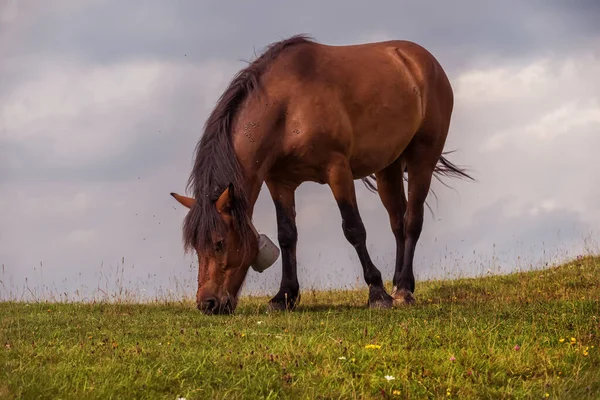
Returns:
point(219, 246)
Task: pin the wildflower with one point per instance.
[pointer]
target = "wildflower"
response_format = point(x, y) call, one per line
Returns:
point(452, 358)
point(547, 394)
point(573, 340)
point(373, 346)
point(448, 392)
point(517, 347)
point(585, 352)
point(258, 322)
point(341, 358)
point(561, 340)
point(396, 392)
point(389, 377)
point(243, 334)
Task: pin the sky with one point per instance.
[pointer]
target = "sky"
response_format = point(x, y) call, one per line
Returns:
point(103, 101)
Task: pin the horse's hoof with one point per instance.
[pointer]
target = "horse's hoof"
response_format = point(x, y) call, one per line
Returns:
point(402, 297)
point(283, 303)
point(379, 299)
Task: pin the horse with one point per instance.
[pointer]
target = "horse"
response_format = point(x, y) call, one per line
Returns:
point(306, 111)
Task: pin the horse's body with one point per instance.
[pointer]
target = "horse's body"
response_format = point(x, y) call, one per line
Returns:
point(305, 111)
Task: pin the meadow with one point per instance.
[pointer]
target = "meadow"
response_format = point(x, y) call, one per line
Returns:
point(526, 335)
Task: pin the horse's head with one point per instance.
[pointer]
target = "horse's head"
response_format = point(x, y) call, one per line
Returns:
point(224, 261)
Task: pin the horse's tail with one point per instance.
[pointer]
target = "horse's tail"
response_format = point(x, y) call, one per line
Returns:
point(370, 182)
point(444, 168)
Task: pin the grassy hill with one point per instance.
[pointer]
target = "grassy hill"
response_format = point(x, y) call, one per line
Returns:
point(525, 335)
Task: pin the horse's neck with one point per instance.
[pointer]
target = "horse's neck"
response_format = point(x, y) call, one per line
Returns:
point(256, 145)
point(252, 168)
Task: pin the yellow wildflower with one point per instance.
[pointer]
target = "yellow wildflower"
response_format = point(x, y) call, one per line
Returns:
point(561, 339)
point(373, 346)
point(396, 392)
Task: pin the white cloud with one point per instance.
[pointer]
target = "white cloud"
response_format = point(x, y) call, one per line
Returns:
point(74, 113)
point(485, 87)
point(9, 11)
point(530, 131)
point(81, 237)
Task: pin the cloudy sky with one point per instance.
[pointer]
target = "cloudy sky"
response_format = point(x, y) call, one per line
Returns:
point(102, 102)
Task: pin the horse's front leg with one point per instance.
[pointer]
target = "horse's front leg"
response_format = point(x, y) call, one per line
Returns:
point(287, 234)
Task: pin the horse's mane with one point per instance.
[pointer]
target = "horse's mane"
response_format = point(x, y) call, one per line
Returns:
point(216, 165)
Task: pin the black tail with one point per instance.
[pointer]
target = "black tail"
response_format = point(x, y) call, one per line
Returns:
point(370, 182)
point(448, 169)
point(444, 168)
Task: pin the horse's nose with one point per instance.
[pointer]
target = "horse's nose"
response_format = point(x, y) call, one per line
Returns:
point(210, 305)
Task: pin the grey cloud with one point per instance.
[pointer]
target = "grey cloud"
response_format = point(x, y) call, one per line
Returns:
point(455, 31)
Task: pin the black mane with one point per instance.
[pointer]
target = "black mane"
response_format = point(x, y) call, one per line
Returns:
point(216, 164)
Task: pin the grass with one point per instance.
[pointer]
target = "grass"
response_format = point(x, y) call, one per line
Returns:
point(526, 335)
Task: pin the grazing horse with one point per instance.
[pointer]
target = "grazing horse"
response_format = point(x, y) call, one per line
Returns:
point(305, 111)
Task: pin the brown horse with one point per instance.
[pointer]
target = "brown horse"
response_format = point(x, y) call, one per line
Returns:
point(305, 111)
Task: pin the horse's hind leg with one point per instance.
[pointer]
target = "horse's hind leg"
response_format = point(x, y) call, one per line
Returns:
point(341, 182)
point(421, 158)
point(390, 186)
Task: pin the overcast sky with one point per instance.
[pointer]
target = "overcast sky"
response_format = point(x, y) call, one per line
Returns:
point(102, 102)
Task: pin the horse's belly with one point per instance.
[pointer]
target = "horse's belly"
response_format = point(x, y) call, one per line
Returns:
point(377, 154)
point(380, 138)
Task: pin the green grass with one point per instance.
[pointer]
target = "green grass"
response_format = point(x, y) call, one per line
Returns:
point(494, 337)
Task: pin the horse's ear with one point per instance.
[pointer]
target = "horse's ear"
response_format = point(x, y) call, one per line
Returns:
point(225, 200)
point(186, 201)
